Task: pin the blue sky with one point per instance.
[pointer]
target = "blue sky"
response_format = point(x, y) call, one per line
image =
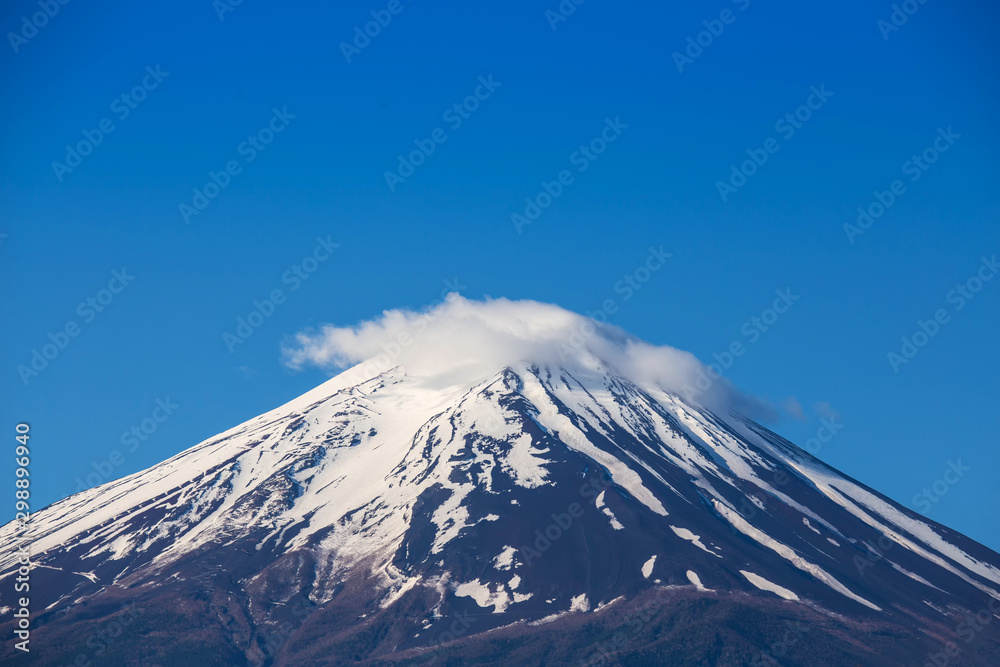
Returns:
point(300, 137)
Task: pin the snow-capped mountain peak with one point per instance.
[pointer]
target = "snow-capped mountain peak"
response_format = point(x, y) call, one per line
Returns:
point(538, 488)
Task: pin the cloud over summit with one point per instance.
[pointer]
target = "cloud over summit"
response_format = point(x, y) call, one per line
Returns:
point(465, 340)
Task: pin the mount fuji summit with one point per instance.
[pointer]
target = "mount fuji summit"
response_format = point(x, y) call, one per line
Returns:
point(499, 483)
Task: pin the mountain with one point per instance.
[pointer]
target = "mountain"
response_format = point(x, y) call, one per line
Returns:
point(539, 513)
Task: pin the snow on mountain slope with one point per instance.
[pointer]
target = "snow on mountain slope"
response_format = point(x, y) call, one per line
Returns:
point(528, 489)
point(344, 465)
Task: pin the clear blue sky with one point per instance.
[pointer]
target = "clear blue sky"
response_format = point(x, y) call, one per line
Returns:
point(340, 126)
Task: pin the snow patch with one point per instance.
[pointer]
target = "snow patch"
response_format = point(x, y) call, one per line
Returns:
point(612, 519)
point(696, 580)
point(912, 575)
point(524, 463)
point(608, 604)
point(505, 559)
point(765, 585)
point(579, 603)
point(483, 596)
point(549, 618)
point(686, 534)
point(787, 553)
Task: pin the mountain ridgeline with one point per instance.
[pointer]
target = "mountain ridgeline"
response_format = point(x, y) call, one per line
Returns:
point(539, 515)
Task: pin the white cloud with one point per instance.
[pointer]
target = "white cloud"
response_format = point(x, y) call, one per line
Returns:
point(824, 409)
point(794, 408)
point(461, 340)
